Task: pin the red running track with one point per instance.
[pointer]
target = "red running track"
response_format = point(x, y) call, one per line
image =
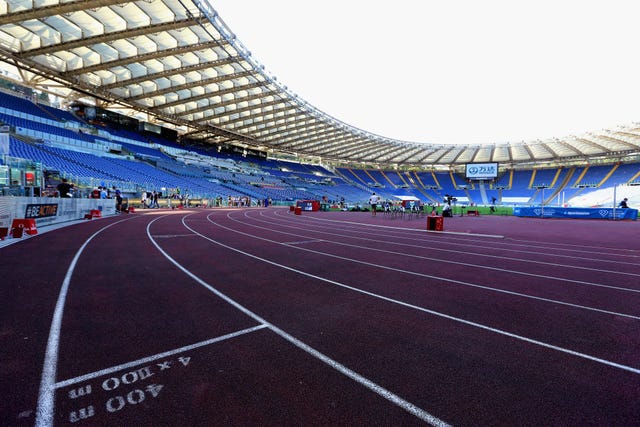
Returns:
point(262, 317)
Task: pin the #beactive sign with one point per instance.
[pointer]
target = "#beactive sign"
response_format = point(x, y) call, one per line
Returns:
point(41, 210)
point(481, 170)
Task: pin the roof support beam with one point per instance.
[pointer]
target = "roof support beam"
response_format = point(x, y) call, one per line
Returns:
point(58, 9)
point(172, 72)
point(141, 58)
point(204, 82)
point(106, 38)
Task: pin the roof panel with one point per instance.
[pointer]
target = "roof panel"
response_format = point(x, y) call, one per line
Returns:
point(520, 153)
point(159, 11)
point(464, 155)
point(154, 66)
point(500, 154)
point(20, 38)
point(104, 20)
point(170, 63)
point(540, 151)
point(135, 15)
point(137, 70)
point(65, 31)
point(19, 5)
point(167, 40)
point(483, 154)
point(79, 25)
point(123, 48)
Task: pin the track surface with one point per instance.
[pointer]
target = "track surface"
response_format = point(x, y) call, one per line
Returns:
point(262, 317)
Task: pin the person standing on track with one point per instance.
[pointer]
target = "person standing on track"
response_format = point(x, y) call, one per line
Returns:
point(373, 201)
point(118, 199)
point(65, 188)
point(154, 199)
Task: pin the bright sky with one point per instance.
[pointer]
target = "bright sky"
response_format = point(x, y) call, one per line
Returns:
point(460, 71)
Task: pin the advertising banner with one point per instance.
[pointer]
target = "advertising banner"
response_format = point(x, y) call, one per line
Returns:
point(576, 213)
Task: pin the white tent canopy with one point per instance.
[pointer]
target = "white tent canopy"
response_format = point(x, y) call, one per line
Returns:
point(407, 198)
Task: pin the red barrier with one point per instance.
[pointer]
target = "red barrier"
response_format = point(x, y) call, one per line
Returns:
point(298, 210)
point(4, 232)
point(96, 213)
point(291, 208)
point(435, 223)
point(23, 225)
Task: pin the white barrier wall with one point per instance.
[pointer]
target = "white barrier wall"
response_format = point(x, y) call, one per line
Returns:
point(50, 210)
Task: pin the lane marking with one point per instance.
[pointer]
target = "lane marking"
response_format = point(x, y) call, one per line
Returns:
point(597, 250)
point(426, 310)
point(303, 242)
point(167, 236)
point(157, 356)
point(458, 233)
point(46, 401)
point(381, 391)
point(527, 252)
point(466, 264)
point(444, 279)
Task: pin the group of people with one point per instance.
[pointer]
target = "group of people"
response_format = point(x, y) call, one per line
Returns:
point(149, 199)
point(387, 206)
point(66, 189)
point(100, 192)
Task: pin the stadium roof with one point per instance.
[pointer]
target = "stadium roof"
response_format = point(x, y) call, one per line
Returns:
point(177, 62)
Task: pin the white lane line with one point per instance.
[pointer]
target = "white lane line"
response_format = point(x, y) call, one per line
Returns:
point(381, 391)
point(402, 241)
point(148, 359)
point(46, 401)
point(425, 310)
point(168, 236)
point(302, 242)
point(507, 242)
point(465, 264)
point(440, 278)
point(364, 224)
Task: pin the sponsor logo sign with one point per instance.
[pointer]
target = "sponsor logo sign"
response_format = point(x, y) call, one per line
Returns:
point(41, 210)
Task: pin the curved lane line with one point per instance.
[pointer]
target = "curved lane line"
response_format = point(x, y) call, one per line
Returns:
point(431, 276)
point(507, 241)
point(481, 254)
point(46, 401)
point(425, 310)
point(381, 391)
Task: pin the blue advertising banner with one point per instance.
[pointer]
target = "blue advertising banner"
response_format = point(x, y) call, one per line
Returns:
point(576, 213)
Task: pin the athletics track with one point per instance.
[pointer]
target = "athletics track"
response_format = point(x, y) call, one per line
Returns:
point(262, 317)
